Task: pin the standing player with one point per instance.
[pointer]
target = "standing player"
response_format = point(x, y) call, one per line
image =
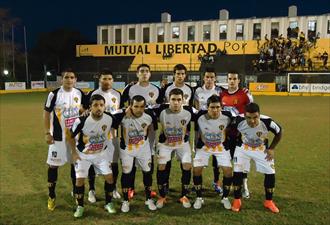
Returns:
point(94, 135)
point(151, 93)
point(174, 136)
point(62, 107)
point(210, 131)
point(253, 130)
point(202, 93)
point(234, 100)
point(113, 104)
point(135, 148)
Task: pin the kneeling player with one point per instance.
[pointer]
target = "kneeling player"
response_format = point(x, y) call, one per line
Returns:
point(210, 130)
point(254, 129)
point(93, 133)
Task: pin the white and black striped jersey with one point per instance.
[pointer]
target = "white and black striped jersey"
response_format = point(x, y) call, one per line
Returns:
point(212, 131)
point(151, 93)
point(256, 136)
point(64, 107)
point(188, 93)
point(175, 126)
point(202, 94)
point(113, 99)
point(134, 131)
point(93, 135)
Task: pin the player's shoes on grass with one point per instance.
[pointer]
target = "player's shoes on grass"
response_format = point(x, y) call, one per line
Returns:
point(125, 206)
point(185, 202)
point(91, 196)
point(245, 193)
point(116, 194)
point(226, 203)
point(160, 202)
point(236, 206)
point(51, 204)
point(217, 187)
point(110, 208)
point(198, 203)
point(151, 205)
point(269, 204)
point(79, 212)
point(131, 193)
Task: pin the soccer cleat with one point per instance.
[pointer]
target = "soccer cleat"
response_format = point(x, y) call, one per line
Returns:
point(131, 193)
point(125, 206)
point(269, 204)
point(116, 194)
point(245, 193)
point(153, 194)
point(217, 187)
point(151, 205)
point(79, 211)
point(51, 204)
point(110, 208)
point(91, 196)
point(185, 202)
point(236, 206)
point(226, 203)
point(198, 203)
point(160, 202)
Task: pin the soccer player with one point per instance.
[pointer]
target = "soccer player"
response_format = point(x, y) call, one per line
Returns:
point(113, 104)
point(135, 149)
point(62, 107)
point(151, 94)
point(234, 100)
point(93, 133)
point(202, 93)
point(253, 130)
point(210, 131)
point(174, 136)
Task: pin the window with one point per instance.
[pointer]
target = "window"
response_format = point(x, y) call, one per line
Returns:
point(176, 32)
point(311, 31)
point(328, 27)
point(131, 34)
point(293, 29)
point(223, 32)
point(256, 31)
point(239, 32)
point(146, 35)
point(206, 32)
point(117, 36)
point(160, 34)
point(191, 33)
point(104, 36)
point(275, 27)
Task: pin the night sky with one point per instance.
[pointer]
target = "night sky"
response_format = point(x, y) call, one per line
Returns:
point(44, 16)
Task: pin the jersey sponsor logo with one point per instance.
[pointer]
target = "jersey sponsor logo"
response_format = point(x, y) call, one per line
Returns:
point(69, 122)
point(71, 112)
point(135, 137)
point(96, 142)
point(174, 134)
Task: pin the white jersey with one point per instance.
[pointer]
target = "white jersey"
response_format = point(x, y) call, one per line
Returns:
point(113, 101)
point(212, 131)
point(94, 135)
point(255, 137)
point(151, 93)
point(202, 94)
point(187, 93)
point(64, 108)
point(175, 126)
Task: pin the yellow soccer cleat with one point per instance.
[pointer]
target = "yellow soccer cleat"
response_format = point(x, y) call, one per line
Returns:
point(51, 204)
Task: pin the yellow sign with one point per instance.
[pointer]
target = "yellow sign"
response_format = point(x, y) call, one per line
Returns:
point(264, 87)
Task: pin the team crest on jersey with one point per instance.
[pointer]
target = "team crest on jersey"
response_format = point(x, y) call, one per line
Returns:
point(235, 101)
point(185, 96)
point(259, 134)
point(76, 99)
point(151, 94)
point(183, 122)
point(143, 125)
point(114, 100)
point(104, 127)
point(221, 127)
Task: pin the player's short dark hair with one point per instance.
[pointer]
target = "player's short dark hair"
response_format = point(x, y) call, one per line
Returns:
point(234, 72)
point(143, 65)
point(138, 98)
point(213, 99)
point(176, 91)
point(106, 71)
point(209, 70)
point(252, 108)
point(179, 67)
point(68, 70)
point(96, 98)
